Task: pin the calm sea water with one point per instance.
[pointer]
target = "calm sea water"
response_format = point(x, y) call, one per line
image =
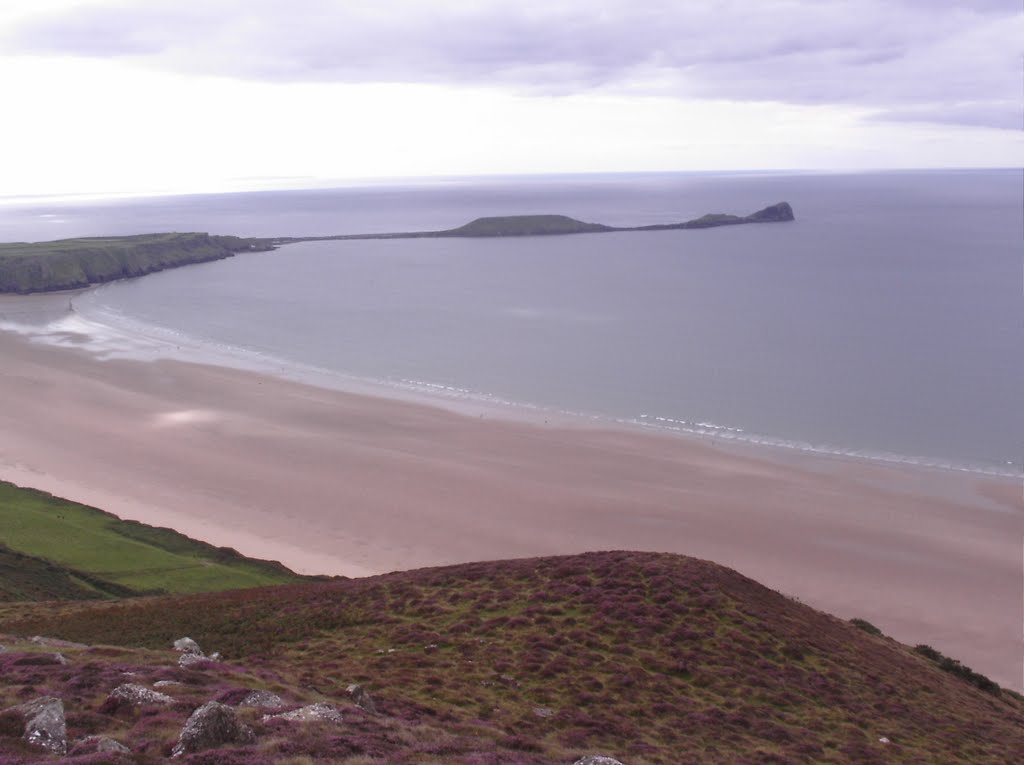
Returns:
point(886, 321)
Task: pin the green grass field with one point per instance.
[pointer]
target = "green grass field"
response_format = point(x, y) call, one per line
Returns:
point(105, 556)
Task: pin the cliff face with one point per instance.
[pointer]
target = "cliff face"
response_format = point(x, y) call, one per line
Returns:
point(75, 263)
point(776, 213)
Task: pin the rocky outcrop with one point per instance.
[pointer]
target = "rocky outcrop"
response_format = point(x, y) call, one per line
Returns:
point(212, 725)
point(262, 700)
point(99, 745)
point(187, 645)
point(776, 213)
point(45, 726)
point(361, 697)
point(597, 759)
point(131, 694)
point(319, 712)
point(191, 653)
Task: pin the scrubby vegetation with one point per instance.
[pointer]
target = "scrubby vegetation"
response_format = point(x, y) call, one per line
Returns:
point(75, 263)
point(954, 667)
point(868, 627)
point(654, 659)
point(54, 549)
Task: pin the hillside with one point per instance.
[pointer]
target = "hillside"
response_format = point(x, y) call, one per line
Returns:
point(525, 225)
point(649, 658)
point(51, 548)
point(75, 263)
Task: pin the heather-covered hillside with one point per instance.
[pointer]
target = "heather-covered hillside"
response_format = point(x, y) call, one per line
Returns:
point(649, 658)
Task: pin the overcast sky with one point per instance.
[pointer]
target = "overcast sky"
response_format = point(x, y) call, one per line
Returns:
point(176, 95)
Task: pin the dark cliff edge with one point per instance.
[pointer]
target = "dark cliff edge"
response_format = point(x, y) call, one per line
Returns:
point(69, 264)
point(76, 263)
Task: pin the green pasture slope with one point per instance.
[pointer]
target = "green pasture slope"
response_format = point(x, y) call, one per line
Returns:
point(53, 548)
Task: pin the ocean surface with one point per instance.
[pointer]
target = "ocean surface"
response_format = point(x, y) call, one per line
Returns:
point(885, 322)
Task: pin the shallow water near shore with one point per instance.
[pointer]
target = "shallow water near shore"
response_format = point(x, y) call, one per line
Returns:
point(883, 323)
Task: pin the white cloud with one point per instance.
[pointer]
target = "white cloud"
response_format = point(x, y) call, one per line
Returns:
point(225, 94)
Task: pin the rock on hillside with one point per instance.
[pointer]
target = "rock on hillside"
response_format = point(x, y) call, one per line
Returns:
point(45, 725)
point(211, 726)
point(779, 212)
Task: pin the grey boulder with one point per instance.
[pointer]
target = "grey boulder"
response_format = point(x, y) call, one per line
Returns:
point(138, 695)
point(100, 745)
point(44, 723)
point(187, 645)
point(319, 712)
point(362, 697)
point(212, 725)
point(263, 699)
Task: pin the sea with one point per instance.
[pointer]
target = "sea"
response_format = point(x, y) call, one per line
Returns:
point(884, 323)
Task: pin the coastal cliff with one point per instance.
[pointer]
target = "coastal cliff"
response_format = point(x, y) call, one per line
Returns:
point(75, 263)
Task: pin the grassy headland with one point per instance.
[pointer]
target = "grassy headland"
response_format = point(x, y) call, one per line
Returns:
point(51, 548)
point(74, 263)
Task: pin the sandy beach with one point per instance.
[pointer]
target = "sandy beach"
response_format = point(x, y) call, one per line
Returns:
point(339, 483)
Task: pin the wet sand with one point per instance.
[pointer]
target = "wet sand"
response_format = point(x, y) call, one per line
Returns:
point(332, 482)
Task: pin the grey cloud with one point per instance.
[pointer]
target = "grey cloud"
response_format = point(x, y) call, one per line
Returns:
point(898, 56)
point(1006, 115)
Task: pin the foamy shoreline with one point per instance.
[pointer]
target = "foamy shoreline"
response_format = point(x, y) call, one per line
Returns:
point(336, 482)
point(121, 337)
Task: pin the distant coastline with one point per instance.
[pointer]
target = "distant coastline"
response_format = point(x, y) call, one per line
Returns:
point(68, 264)
point(560, 225)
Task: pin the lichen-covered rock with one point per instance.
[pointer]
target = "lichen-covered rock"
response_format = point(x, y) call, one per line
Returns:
point(187, 645)
point(212, 725)
point(166, 683)
point(362, 697)
point(137, 695)
point(262, 699)
point(61, 659)
point(318, 712)
point(597, 759)
point(99, 745)
point(188, 659)
point(45, 726)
